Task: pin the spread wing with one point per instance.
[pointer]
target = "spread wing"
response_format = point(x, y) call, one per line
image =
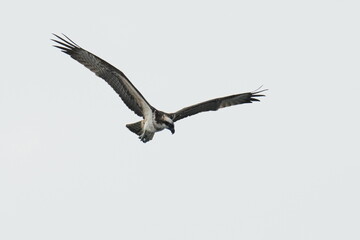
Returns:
point(114, 77)
point(217, 103)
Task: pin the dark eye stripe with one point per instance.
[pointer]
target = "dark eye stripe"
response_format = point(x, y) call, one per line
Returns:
point(168, 124)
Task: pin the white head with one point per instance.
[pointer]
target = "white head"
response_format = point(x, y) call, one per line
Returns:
point(164, 120)
point(168, 123)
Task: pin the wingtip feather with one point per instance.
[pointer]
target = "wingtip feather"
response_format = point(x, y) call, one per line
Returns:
point(70, 40)
point(65, 42)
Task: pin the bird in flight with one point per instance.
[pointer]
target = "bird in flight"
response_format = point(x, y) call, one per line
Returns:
point(153, 120)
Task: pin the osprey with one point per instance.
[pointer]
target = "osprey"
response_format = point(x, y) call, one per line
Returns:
point(153, 119)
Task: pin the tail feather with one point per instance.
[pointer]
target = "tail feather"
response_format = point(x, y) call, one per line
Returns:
point(136, 128)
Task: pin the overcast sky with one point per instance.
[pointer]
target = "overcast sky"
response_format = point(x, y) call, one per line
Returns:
point(285, 168)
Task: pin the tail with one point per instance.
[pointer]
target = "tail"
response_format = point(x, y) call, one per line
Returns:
point(135, 127)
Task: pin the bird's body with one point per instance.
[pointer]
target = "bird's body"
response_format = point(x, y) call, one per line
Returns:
point(153, 119)
point(152, 123)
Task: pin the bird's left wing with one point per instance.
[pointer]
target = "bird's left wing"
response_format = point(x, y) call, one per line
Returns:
point(217, 103)
point(113, 76)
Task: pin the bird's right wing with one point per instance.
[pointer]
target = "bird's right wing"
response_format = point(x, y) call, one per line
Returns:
point(113, 76)
point(217, 103)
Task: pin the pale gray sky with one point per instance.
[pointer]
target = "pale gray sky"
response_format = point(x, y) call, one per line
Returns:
point(285, 168)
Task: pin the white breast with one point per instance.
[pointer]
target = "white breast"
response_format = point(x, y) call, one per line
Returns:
point(151, 125)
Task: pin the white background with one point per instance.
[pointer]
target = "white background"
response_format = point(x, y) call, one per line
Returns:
point(284, 168)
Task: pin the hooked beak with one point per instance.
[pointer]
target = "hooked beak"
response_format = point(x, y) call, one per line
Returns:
point(172, 129)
